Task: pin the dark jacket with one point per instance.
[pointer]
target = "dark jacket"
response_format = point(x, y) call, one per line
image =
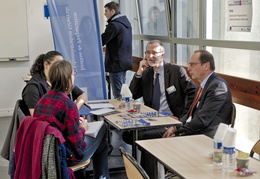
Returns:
point(37, 87)
point(178, 101)
point(118, 40)
point(213, 107)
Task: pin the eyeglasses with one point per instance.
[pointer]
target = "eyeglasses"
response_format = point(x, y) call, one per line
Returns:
point(153, 53)
point(192, 64)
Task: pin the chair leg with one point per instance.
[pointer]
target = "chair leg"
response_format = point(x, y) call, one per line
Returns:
point(110, 149)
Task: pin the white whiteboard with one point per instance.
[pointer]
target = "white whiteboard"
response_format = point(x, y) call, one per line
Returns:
point(14, 43)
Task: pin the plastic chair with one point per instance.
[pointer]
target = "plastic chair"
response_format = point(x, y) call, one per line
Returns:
point(133, 169)
point(232, 116)
point(255, 149)
point(80, 166)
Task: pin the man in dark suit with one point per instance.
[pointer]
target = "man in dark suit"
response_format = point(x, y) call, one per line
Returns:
point(213, 105)
point(176, 88)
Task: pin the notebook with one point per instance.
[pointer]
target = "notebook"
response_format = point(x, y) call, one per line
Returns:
point(93, 128)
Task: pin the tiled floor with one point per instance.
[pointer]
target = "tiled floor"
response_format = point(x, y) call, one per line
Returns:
point(4, 125)
point(115, 159)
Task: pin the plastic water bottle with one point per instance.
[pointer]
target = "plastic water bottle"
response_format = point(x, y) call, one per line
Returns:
point(126, 93)
point(122, 103)
point(217, 154)
point(127, 103)
point(228, 159)
point(228, 156)
point(218, 139)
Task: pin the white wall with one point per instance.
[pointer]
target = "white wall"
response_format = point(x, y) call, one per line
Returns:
point(40, 41)
point(11, 73)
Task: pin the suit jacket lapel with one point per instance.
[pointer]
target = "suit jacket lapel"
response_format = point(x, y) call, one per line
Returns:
point(207, 84)
point(166, 76)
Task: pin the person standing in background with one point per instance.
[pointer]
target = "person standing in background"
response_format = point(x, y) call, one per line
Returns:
point(156, 24)
point(117, 42)
point(152, 25)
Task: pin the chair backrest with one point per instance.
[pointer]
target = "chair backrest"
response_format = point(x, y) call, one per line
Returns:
point(255, 149)
point(232, 116)
point(133, 169)
point(20, 111)
point(23, 107)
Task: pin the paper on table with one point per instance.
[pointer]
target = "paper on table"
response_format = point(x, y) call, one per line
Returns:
point(102, 111)
point(93, 128)
point(100, 105)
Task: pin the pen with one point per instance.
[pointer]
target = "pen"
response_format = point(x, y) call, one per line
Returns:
point(87, 105)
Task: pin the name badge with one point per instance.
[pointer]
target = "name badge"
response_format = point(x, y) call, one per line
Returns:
point(171, 89)
point(198, 104)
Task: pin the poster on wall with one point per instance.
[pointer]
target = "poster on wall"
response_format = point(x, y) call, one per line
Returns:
point(239, 15)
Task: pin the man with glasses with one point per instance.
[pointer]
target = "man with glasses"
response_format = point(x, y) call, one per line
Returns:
point(211, 106)
point(175, 91)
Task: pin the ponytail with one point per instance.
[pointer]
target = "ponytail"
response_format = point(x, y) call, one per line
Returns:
point(38, 65)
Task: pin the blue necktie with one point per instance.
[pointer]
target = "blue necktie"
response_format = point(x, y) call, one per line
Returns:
point(156, 93)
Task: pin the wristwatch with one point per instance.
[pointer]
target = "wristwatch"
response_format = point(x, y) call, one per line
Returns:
point(138, 76)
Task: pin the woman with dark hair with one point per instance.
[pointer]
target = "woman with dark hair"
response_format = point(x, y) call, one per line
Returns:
point(39, 84)
point(56, 108)
point(152, 25)
point(156, 24)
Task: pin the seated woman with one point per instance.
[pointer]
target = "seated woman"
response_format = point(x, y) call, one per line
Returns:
point(39, 84)
point(57, 108)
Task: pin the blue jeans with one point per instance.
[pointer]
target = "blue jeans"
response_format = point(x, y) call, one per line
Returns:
point(116, 82)
point(97, 149)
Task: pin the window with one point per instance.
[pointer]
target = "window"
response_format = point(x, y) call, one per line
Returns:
point(187, 19)
point(202, 24)
point(152, 17)
point(237, 62)
point(128, 8)
point(183, 53)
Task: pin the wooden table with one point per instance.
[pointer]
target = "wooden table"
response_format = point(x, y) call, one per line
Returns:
point(160, 121)
point(190, 157)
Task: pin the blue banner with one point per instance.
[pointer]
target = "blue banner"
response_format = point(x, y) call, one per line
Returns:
point(76, 34)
